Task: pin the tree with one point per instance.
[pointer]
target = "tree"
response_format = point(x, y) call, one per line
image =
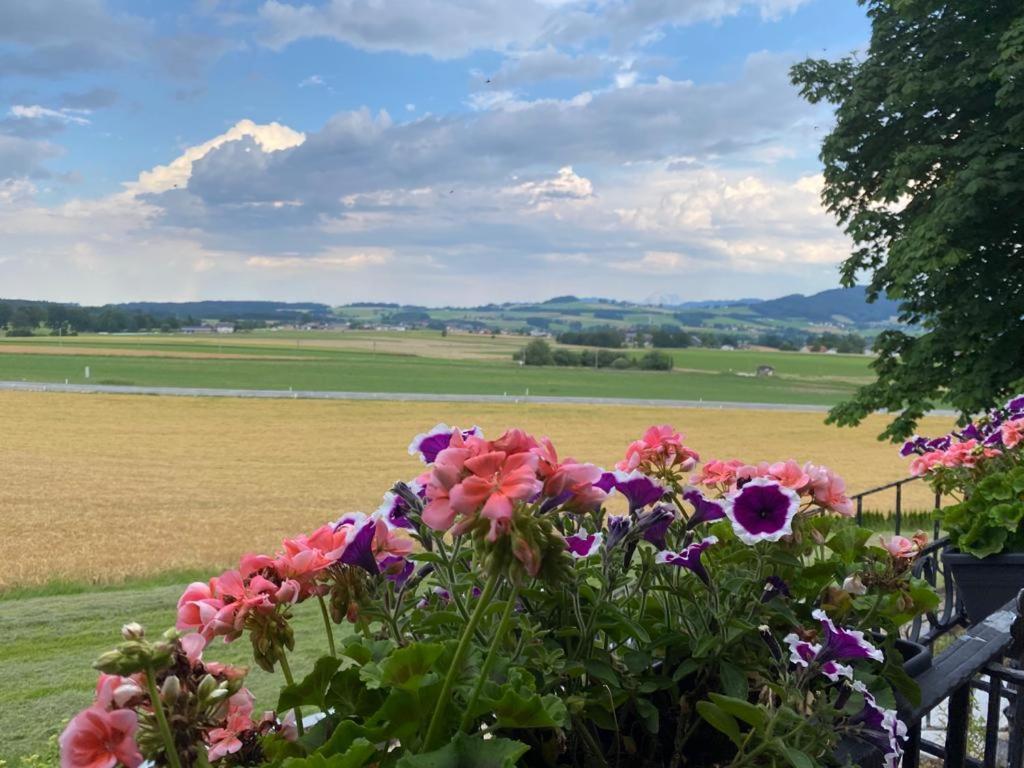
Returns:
point(537, 352)
point(925, 172)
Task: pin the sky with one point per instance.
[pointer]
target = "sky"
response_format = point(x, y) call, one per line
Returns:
point(427, 152)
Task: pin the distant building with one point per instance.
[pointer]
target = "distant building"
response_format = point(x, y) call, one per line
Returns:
point(225, 327)
point(765, 370)
point(193, 329)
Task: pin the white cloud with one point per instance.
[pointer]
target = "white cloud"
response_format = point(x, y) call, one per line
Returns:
point(36, 112)
point(311, 81)
point(566, 185)
point(272, 137)
point(332, 258)
point(655, 263)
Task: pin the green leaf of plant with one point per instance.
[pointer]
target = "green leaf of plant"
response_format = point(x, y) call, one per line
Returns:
point(601, 671)
point(468, 752)
point(720, 720)
point(734, 680)
point(514, 710)
point(407, 667)
point(312, 689)
point(796, 758)
point(355, 756)
point(649, 714)
point(749, 713)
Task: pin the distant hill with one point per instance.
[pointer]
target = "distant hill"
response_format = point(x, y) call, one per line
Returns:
point(838, 304)
point(241, 310)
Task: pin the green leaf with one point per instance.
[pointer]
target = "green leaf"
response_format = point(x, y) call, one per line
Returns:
point(796, 758)
point(513, 709)
point(649, 714)
point(749, 713)
point(848, 542)
point(355, 756)
point(312, 689)
point(734, 680)
point(407, 667)
point(720, 720)
point(601, 670)
point(349, 696)
point(468, 752)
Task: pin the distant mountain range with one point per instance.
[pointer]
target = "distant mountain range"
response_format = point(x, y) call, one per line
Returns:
point(827, 306)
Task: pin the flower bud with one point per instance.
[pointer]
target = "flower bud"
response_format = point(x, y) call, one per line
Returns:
point(206, 687)
point(769, 639)
point(133, 631)
point(125, 692)
point(171, 689)
point(817, 536)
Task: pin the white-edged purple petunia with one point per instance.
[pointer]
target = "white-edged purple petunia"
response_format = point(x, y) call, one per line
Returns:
point(844, 644)
point(803, 654)
point(762, 510)
point(428, 444)
point(880, 726)
point(359, 548)
point(705, 510)
point(394, 510)
point(581, 546)
point(654, 524)
point(618, 528)
point(606, 482)
point(639, 489)
point(689, 558)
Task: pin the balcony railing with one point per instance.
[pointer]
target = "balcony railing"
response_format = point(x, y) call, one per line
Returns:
point(987, 657)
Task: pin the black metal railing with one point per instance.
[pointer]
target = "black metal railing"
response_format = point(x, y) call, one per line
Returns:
point(986, 657)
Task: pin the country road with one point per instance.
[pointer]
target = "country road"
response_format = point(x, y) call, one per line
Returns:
point(37, 386)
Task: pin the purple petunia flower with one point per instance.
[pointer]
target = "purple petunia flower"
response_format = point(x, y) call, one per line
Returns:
point(606, 482)
point(428, 444)
point(803, 654)
point(359, 550)
point(655, 524)
point(394, 509)
point(581, 546)
point(913, 445)
point(762, 510)
point(705, 510)
point(844, 644)
point(881, 727)
point(639, 490)
point(618, 528)
point(397, 569)
point(689, 558)
point(441, 593)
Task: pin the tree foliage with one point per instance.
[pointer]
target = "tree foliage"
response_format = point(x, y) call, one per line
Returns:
point(925, 171)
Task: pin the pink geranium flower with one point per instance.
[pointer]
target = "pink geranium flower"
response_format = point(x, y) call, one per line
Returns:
point(900, 547)
point(96, 738)
point(828, 489)
point(662, 447)
point(718, 474)
point(790, 474)
point(496, 482)
point(1012, 432)
point(569, 482)
point(225, 740)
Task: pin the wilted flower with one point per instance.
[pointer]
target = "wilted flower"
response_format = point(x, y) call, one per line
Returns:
point(654, 524)
point(762, 510)
point(618, 529)
point(705, 510)
point(689, 558)
point(854, 585)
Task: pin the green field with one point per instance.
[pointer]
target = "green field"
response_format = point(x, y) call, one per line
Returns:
point(420, 362)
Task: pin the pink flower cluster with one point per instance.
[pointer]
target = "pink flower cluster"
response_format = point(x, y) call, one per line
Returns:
point(474, 478)
point(222, 606)
point(660, 448)
point(104, 734)
point(1012, 432)
point(819, 485)
point(962, 454)
point(902, 548)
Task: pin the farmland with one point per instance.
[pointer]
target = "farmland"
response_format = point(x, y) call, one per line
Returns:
point(422, 362)
point(209, 478)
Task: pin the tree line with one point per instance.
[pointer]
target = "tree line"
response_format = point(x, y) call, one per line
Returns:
point(539, 352)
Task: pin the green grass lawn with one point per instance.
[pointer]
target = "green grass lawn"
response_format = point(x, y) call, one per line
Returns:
point(363, 372)
point(49, 641)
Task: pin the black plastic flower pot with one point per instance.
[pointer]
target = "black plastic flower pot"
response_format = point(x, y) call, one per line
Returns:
point(985, 584)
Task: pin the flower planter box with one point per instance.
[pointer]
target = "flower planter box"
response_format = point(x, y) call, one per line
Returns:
point(985, 584)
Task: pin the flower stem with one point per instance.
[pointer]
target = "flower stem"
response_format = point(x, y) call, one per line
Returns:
point(492, 652)
point(327, 625)
point(161, 720)
point(287, 672)
point(460, 655)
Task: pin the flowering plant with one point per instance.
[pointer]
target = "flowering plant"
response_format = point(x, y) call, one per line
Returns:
point(509, 606)
point(982, 466)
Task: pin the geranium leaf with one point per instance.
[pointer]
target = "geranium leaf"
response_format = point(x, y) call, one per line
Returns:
point(407, 667)
point(468, 752)
point(312, 689)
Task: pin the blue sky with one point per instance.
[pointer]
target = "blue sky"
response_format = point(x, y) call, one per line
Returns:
point(423, 151)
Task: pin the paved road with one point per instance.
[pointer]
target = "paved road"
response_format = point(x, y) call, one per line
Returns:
point(33, 386)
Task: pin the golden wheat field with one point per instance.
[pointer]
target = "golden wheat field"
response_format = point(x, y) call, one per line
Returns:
point(103, 487)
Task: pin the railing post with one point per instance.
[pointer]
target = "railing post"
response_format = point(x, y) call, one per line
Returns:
point(1016, 713)
point(860, 510)
point(995, 700)
point(912, 749)
point(958, 716)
